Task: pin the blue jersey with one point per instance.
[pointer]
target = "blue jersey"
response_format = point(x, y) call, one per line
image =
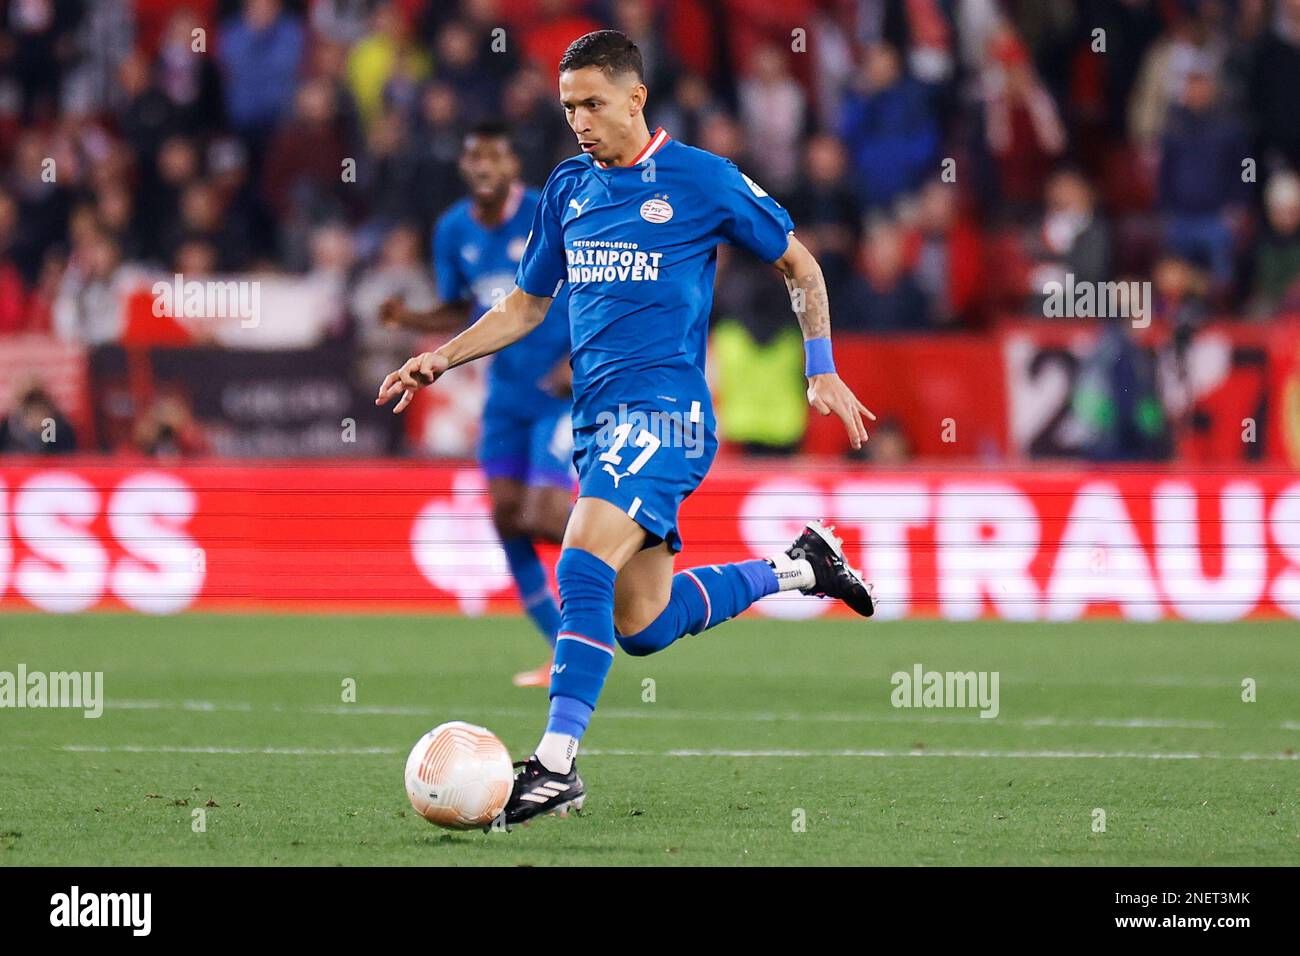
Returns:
point(636, 249)
point(477, 264)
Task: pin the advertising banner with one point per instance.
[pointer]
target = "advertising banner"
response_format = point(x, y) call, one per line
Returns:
point(1144, 545)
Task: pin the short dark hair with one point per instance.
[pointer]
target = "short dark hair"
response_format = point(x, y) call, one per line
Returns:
point(608, 50)
point(491, 129)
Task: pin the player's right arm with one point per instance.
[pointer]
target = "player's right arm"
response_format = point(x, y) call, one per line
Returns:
point(504, 324)
point(542, 270)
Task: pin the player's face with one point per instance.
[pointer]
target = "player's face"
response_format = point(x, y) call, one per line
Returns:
point(602, 112)
point(488, 165)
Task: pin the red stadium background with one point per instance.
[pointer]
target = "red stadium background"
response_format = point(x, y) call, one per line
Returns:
point(1215, 536)
point(945, 162)
point(960, 544)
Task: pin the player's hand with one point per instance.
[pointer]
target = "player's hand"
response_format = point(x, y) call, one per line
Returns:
point(828, 393)
point(559, 380)
point(414, 375)
point(392, 313)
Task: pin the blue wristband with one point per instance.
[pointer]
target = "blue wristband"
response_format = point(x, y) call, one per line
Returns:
point(817, 357)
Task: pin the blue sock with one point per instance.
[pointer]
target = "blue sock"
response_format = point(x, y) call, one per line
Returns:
point(568, 716)
point(702, 598)
point(534, 592)
point(584, 650)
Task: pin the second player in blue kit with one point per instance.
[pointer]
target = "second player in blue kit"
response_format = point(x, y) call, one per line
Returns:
point(630, 230)
point(525, 432)
point(525, 445)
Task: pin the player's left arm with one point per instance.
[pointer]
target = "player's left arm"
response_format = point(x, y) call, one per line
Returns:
point(827, 392)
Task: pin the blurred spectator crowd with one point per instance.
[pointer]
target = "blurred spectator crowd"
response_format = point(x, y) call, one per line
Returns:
point(943, 158)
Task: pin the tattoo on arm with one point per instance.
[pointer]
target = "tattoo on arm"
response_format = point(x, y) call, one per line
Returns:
point(810, 303)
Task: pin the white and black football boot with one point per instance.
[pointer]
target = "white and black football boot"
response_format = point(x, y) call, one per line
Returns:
point(834, 577)
point(539, 791)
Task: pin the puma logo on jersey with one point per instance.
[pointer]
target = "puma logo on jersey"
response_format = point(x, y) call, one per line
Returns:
point(579, 206)
point(617, 477)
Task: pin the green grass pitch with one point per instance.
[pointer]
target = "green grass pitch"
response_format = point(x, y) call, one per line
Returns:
point(753, 727)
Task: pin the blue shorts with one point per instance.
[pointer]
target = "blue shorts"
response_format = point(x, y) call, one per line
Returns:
point(535, 451)
point(646, 463)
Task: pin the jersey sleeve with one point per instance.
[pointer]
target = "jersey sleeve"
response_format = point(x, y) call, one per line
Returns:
point(452, 284)
point(751, 218)
point(543, 265)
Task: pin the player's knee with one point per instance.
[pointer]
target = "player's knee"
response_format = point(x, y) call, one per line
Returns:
point(632, 618)
point(641, 637)
point(506, 517)
point(585, 582)
point(544, 515)
point(637, 645)
point(552, 523)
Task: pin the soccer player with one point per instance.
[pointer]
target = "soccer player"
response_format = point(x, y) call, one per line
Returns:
point(631, 229)
point(526, 440)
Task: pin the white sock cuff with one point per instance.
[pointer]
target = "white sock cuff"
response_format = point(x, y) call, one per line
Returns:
point(556, 751)
point(792, 573)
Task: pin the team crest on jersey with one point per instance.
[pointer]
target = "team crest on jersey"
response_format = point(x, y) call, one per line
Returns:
point(656, 210)
point(516, 248)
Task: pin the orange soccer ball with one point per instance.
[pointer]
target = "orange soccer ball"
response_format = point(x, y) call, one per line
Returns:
point(459, 776)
